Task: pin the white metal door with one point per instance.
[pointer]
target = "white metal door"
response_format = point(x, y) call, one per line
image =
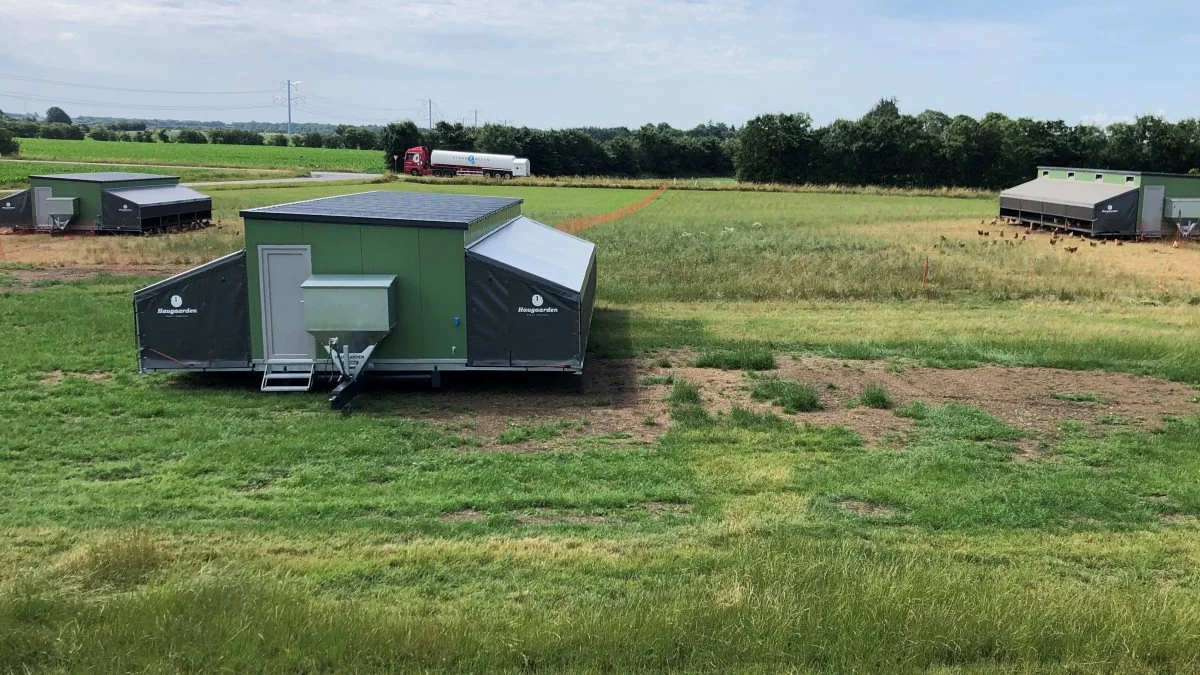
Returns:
point(41, 205)
point(1153, 197)
point(281, 270)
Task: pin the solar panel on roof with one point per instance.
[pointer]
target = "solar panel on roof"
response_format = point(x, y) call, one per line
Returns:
point(412, 209)
point(103, 176)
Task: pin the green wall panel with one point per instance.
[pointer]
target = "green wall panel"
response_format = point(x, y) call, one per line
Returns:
point(443, 293)
point(1177, 187)
point(396, 250)
point(429, 265)
point(336, 248)
point(1085, 175)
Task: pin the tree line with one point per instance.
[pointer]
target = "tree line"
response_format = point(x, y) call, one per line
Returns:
point(652, 150)
point(884, 147)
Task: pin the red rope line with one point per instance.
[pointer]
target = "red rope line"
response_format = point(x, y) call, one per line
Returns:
point(577, 225)
point(168, 356)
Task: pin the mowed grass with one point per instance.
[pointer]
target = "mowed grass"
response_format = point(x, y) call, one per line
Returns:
point(250, 156)
point(148, 519)
point(175, 524)
point(16, 175)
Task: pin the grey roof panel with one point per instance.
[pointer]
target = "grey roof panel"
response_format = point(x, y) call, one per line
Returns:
point(539, 250)
point(379, 207)
point(104, 176)
point(1071, 192)
point(159, 195)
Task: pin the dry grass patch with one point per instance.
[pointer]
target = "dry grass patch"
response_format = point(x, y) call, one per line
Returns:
point(861, 508)
point(55, 377)
point(463, 516)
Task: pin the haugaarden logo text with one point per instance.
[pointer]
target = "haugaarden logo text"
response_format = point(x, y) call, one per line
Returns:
point(177, 307)
point(537, 301)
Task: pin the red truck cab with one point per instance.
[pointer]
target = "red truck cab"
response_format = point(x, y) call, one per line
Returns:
point(416, 161)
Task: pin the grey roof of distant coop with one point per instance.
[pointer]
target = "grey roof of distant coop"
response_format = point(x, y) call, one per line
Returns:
point(398, 209)
point(1069, 192)
point(530, 248)
point(160, 196)
point(103, 176)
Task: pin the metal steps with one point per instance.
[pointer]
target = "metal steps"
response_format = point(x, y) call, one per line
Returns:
point(277, 377)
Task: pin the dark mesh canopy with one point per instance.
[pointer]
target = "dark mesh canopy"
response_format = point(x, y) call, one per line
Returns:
point(1090, 207)
point(530, 293)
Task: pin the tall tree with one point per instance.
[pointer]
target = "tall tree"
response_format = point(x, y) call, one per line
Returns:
point(447, 136)
point(56, 115)
point(775, 149)
point(397, 137)
point(8, 144)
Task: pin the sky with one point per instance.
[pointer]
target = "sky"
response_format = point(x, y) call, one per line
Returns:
point(567, 63)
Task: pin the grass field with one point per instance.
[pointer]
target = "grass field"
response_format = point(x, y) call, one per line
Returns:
point(250, 156)
point(850, 505)
point(16, 174)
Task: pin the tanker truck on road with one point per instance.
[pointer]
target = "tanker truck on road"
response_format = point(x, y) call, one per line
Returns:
point(421, 161)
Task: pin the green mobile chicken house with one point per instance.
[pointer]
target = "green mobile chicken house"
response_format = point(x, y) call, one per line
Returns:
point(105, 202)
point(377, 283)
point(1106, 203)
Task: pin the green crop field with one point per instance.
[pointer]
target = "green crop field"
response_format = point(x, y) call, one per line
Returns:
point(182, 154)
point(791, 454)
point(16, 174)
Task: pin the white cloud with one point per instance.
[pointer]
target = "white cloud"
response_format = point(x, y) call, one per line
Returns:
point(566, 62)
point(1104, 119)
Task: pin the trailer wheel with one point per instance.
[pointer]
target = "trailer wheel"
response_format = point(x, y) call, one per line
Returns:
point(506, 175)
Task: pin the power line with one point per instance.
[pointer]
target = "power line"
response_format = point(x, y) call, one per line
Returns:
point(109, 104)
point(337, 103)
point(338, 115)
point(38, 80)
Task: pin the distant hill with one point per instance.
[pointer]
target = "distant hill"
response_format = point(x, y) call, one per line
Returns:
point(263, 127)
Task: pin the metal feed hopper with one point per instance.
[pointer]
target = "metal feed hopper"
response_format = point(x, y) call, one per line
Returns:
point(348, 314)
point(378, 283)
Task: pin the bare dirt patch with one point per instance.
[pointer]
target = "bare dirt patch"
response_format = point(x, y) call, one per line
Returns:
point(55, 377)
point(607, 408)
point(861, 508)
point(548, 517)
point(463, 516)
point(1179, 519)
point(1021, 397)
point(1028, 450)
point(620, 402)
